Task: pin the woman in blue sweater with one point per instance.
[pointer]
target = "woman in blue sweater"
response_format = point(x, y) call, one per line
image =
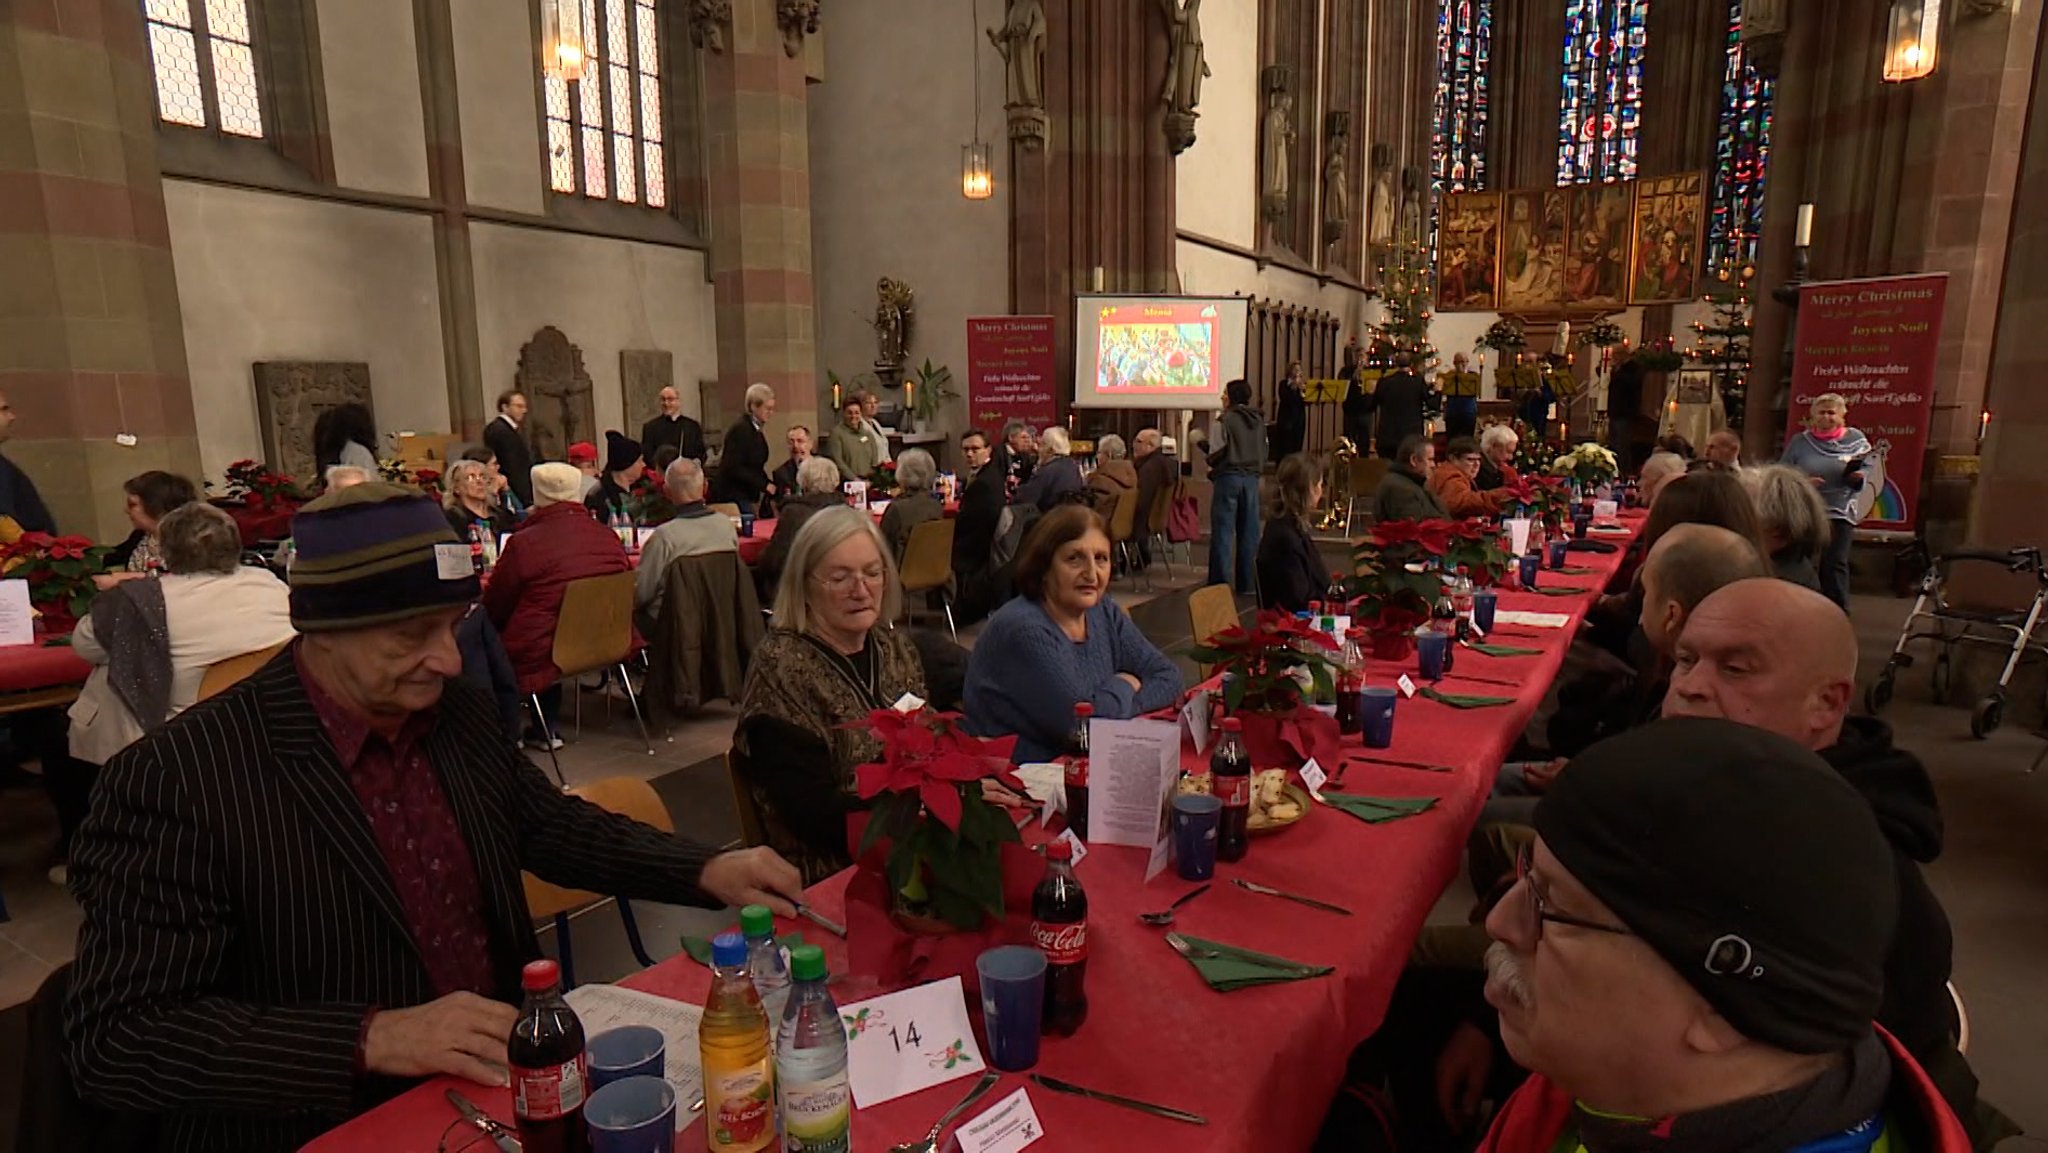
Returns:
point(1831, 454)
point(1062, 641)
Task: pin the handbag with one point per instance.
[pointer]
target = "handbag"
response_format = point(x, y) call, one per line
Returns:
point(1183, 517)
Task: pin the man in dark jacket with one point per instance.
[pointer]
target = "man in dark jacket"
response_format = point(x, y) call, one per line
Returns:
point(18, 496)
point(1404, 492)
point(1290, 413)
point(983, 584)
point(1156, 474)
point(669, 428)
point(507, 441)
point(623, 465)
point(1400, 398)
point(1235, 461)
point(743, 460)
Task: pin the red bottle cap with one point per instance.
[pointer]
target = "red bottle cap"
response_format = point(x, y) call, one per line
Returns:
point(538, 976)
point(1232, 724)
point(1083, 709)
point(1061, 850)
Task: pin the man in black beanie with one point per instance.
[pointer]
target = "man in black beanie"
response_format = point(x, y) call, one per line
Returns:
point(1693, 955)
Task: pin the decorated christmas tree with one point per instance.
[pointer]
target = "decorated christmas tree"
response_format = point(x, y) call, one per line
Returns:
point(1408, 293)
point(1722, 342)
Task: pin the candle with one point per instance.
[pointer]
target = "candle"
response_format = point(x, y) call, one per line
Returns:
point(1802, 235)
point(835, 396)
point(910, 394)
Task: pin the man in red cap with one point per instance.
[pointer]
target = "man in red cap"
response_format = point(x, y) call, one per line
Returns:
point(583, 455)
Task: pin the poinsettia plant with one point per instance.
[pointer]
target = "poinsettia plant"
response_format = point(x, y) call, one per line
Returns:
point(59, 572)
point(427, 480)
point(647, 501)
point(1476, 547)
point(925, 794)
point(882, 481)
point(1271, 659)
point(1399, 574)
point(1543, 498)
point(253, 484)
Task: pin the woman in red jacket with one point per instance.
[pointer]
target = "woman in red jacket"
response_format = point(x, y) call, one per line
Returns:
point(559, 542)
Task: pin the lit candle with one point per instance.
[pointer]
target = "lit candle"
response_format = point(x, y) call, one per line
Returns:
point(910, 394)
point(1802, 234)
point(835, 396)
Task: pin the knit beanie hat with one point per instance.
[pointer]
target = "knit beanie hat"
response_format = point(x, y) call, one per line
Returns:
point(374, 553)
point(556, 483)
point(582, 452)
point(1746, 862)
point(620, 451)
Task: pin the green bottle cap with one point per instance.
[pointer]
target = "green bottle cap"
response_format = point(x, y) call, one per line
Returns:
point(757, 921)
point(807, 963)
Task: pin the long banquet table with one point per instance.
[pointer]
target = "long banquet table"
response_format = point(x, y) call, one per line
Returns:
point(1262, 1064)
point(39, 675)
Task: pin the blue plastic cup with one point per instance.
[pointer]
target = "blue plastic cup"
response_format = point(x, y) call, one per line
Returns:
point(1195, 821)
point(1531, 563)
point(1376, 710)
point(1431, 647)
point(746, 524)
point(627, 1051)
point(1557, 550)
point(1012, 1004)
point(636, 1115)
point(1581, 522)
point(1484, 602)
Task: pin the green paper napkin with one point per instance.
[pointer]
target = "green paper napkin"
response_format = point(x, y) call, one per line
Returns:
point(1558, 592)
point(1487, 650)
point(1378, 810)
point(1572, 570)
point(699, 948)
point(1464, 701)
point(1232, 968)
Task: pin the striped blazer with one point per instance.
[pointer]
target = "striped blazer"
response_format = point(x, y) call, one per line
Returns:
point(240, 922)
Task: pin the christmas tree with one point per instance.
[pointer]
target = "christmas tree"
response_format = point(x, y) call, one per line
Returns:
point(1408, 292)
point(1722, 343)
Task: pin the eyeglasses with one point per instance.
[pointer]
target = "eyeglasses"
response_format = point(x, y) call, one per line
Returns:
point(1535, 910)
point(843, 580)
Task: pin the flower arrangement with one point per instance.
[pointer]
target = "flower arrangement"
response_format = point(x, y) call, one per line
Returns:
point(1590, 464)
point(59, 572)
point(1270, 660)
point(928, 390)
point(1545, 497)
point(1533, 450)
point(1602, 333)
point(427, 480)
point(945, 839)
point(1396, 583)
point(882, 481)
point(252, 484)
point(1505, 335)
point(647, 501)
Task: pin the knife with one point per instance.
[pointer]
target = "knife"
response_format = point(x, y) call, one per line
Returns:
point(1059, 1086)
point(1399, 764)
point(819, 919)
point(1270, 891)
point(499, 1135)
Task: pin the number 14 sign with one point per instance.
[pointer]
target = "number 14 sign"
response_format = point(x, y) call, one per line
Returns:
point(902, 1042)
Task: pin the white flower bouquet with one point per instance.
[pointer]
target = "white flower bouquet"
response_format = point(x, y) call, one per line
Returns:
point(1589, 464)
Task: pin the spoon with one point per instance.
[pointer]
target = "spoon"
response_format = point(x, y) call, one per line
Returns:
point(1165, 917)
point(931, 1139)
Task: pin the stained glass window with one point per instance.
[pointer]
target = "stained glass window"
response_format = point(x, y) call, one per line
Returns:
point(1741, 155)
point(605, 136)
point(1601, 112)
point(204, 55)
point(1464, 37)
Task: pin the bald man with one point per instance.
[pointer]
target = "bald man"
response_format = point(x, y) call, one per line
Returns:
point(1771, 654)
point(670, 428)
point(1724, 448)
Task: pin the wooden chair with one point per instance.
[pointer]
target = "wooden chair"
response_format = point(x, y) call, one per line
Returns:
point(1123, 525)
point(545, 901)
point(928, 566)
point(594, 631)
point(224, 675)
point(1155, 527)
point(1366, 474)
point(753, 831)
point(1211, 610)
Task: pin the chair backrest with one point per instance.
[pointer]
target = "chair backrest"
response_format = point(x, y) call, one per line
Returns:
point(595, 628)
point(727, 508)
point(627, 796)
point(1124, 521)
point(928, 558)
point(1162, 504)
point(752, 830)
point(224, 675)
point(1210, 611)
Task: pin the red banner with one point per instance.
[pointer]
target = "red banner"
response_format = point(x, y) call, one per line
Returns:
point(1873, 342)
point(1010, 371)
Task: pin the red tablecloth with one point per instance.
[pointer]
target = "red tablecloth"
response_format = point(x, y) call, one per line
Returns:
point(27, 667)
point(1261, 1064)
point(754, 547)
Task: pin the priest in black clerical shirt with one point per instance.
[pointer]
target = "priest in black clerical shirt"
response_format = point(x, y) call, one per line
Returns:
point(672, 429)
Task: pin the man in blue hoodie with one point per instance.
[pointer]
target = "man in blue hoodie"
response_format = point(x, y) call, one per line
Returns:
point(1236, 459)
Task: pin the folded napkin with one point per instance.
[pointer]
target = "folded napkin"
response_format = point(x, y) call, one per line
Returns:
point(1572, 570)
point(1599, 546)
point(1378, 810)
point(1462, 701)
point(1231, 968)
point(1532, 620)
point(1489, 650)
point(1555, 592)
point(699, 948)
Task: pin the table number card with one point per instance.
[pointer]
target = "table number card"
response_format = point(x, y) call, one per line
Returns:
point(900, 1043)
point(1314, 777)
point(1008, 1127)
point(1195, 715)
point(1406, 686)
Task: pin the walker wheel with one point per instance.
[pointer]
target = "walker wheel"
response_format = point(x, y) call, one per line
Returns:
point(1985, 718)
point(1879, 694)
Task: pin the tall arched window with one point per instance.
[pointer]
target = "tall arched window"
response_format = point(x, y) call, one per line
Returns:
point(1741, 156)
point(1464, 39)
point(203, 53)
point(1602, 107)
point(605, 132)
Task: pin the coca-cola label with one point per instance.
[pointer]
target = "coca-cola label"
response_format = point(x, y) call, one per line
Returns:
point(547, 1093)
point(1236, 791)
point(1077, 771)
point(1062, 944)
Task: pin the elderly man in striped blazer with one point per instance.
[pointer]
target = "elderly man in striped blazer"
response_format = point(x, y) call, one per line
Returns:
point(304, 893)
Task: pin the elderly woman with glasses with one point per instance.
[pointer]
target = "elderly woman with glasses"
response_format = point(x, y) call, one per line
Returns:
point(472, 501)
point(831, 659)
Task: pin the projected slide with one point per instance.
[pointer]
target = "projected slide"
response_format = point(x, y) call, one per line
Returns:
point(1156, 348)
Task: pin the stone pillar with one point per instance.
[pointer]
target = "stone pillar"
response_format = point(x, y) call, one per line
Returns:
point(757, 139)
point(92, 343)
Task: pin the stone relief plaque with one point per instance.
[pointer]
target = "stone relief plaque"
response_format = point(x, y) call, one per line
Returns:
point(291, 395)
point(558, 394)
point(643, 373)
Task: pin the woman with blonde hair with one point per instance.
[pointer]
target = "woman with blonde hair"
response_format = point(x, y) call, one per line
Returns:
point(1291, 570)
point(471, 500)
point(1831, 454)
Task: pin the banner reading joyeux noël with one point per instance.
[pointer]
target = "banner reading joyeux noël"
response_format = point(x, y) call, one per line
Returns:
point(1010, 371)
point(1874, 342)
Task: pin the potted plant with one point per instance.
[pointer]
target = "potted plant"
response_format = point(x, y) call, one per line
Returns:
point(1399, 578)
point(647, 501)
point(1476, 547)
point(427, 480)
point(254, 486)
point(882, 481)
point(944, 841)
point(1591, 465)
point(1271, 670)
point(928, 390)
point(1541, 498)
point(59, 572)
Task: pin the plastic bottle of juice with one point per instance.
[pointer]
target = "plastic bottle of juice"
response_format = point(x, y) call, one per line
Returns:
point(810, 1063)
point(739, 1075)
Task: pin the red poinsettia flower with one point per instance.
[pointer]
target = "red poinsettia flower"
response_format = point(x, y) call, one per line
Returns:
point(925, 752)
point(427, 476)
point(69, 548)
point(36, 541)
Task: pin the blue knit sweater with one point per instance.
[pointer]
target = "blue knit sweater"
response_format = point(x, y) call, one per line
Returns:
point(1829, 460)
point(1025, 676)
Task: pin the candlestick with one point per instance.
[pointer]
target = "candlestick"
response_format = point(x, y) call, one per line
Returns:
point(1802, 234)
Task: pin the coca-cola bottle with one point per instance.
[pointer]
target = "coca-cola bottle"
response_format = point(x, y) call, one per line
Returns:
point(1461, 601)
point(1338, 599)
point(1076, 764)
point(1059, 926)
point(1230, 771)
point(476, 548)
point(1350, 682)
point(1444, 616)
point(548, 1068)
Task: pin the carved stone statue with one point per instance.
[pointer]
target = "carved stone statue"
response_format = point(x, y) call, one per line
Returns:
point(1413, 197)
point(1021, 43)
point(895, 307)
point(795, 18)
point(1276, 153)
point(708, 19)
point(1336, 188)
point(1380, 228)
point(1187, 65)
point(552, 376)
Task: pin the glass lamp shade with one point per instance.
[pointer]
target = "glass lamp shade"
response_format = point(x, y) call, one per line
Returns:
point(562, 50)
point(1912, 39)
point(976, 182)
